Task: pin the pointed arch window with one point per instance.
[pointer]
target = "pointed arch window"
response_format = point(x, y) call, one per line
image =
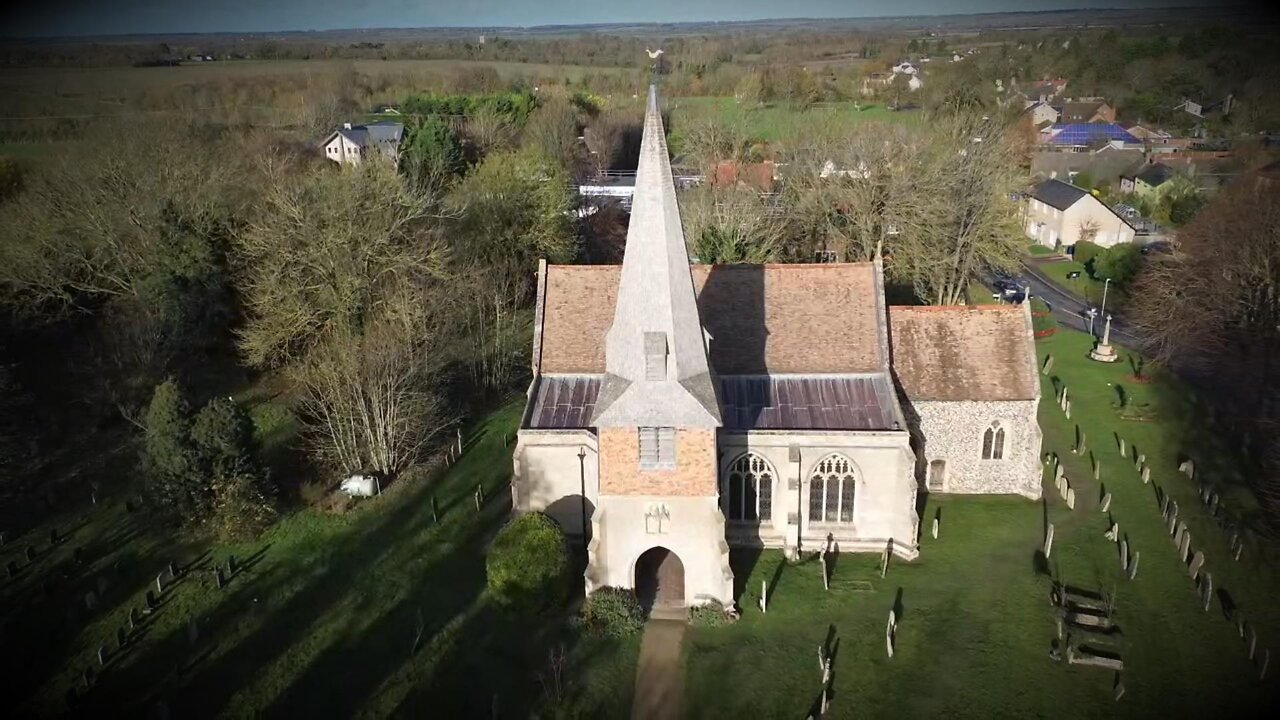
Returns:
point(748, 492)
point(831, 490)
point(993, 442)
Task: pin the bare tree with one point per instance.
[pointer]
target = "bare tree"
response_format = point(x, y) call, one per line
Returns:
point(731, 225)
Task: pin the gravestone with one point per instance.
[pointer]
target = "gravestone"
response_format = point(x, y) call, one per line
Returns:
point(1048, 541)
point(935, 528)
point(884, 561)
point(1185, 549)
point(821, 660)
point(1142, 460)
point(1071, 499)
point(1106, 502)
point(1075, 656)
point(90, 601)
point(31, 553)
point(1119, 691)
point(1124, 554)
point(1123, 452)
point(1266, 660)
point(1067, 410)
point(1239, 548)
point(1097, 470)
point(231, 565)
point(122, 638)
point(1253, 640)
point(1133, 566)
point(160, 584)
point(1177, 538)
point(826, 582)
point(888, 633)
point(764, 596)
point(1164, 506)
point(1048, 365)
point(151, 602)
point(1146, 475)
point(1113, 532)
point(1059, 473)
point(1188, 468)
point(133, 618)
point(173, 570)
point(1213, 505)
point(1197, 562)
point(218, 580)
point(102, 655)
point(1206, 591)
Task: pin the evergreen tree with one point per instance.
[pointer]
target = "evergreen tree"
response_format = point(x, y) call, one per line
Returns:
point(169, 456)
point(222, 437)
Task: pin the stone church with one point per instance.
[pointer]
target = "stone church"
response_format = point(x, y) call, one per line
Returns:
point(680, 410)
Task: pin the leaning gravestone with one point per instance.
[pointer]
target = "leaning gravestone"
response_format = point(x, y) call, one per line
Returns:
point(1071, 499)
point(160, 584)
point(1122, 450)
point(1146, 474)
point(102, 655)
point(218, 580)
point(151, 602)
point(1124, 554)
point(1188, 467)
point(1106, 502)
point(935, 528)
point(1133, 566)
point(133, 618)
point(1048, 541)
point(1185, 550)
point(173, 570)
point(1097, 470)
point(1197, 562)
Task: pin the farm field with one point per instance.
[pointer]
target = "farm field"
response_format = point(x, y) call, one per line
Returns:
point(778, 122)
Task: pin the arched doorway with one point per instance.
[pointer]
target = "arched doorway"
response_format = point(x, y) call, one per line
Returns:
point(659, 579)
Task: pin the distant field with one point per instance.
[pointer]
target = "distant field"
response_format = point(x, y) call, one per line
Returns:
point(73, 92)
point(778, 122)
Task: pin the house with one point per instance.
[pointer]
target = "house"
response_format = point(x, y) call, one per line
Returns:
point(352, 144)
point(1042, 113)
point(758, 176)
point(1046, 90)
point(1147, 181)
point(678, 411)
point(905, 68)
point(1203, 110)
point(1089, 111)
point(876, 80)
point(1075, 137)
point(1158, 141)
point(1058, 215)
point(1103, 167)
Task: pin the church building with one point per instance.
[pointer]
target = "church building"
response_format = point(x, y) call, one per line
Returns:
point(680, 410)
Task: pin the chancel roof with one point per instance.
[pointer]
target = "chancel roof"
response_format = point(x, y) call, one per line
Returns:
point(979, 352)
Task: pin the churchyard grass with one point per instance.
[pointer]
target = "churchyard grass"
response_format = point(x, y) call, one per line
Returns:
point(374, 612)
point(974, 621)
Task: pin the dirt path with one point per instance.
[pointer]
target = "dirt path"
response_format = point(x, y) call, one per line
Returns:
point(659, 690)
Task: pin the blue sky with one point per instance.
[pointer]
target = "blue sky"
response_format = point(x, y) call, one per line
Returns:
point(113, 17)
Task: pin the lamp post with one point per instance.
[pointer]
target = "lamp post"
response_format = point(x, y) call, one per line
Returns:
point(1105, 284)
point(582, 475)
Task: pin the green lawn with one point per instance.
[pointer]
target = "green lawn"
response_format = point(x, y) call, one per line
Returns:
point(777, 122)
point(975, 625)
point(1083, 286)
point(1040, 250)
point(321, 622)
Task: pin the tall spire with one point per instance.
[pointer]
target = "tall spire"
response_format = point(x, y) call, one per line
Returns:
point(655, 352)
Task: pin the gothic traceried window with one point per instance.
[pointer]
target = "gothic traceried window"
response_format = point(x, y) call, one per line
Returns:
point(993, 442)
point(748, 495)
point(831, 491)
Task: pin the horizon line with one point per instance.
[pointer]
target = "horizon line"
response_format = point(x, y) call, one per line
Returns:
point(547, 26)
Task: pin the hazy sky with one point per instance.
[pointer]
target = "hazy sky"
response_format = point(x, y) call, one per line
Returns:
point(111, 17)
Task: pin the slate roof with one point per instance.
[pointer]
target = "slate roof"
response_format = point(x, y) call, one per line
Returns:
point(1088, 133)
point(749, 402)
point(979, 352)
point(1156, 175)
point(818, 319)
point(1058, 194)
point(1079, 112)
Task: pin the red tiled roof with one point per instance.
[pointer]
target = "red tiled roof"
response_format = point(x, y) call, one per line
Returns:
point(981, 352)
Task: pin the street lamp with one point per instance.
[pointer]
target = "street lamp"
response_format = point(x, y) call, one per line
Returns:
point(1106, 284)
point(1091, 313)
point(582, 474)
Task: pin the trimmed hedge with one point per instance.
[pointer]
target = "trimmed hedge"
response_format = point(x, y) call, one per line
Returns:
point(528, 564)
point(612, 612)
point(1085, 251)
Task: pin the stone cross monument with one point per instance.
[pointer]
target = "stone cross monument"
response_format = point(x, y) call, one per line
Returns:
point(1103, 352)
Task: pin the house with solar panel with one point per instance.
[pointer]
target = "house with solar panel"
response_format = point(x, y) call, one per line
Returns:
point(679, 411)
point(1088, 136)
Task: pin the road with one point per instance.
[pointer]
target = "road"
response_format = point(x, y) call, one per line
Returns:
point(1069, 309)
